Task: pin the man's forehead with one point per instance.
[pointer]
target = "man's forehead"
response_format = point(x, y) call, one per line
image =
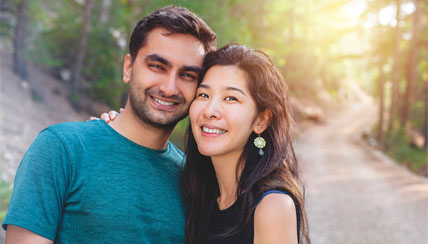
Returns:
point(177, 48)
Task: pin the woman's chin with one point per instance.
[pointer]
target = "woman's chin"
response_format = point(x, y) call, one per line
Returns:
point(208, 152)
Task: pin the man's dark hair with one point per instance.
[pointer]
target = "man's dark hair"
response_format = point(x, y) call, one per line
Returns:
point(175, 20)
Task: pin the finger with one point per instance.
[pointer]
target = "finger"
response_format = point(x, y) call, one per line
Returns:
point(105, 117)
point(93, 118)
point(121, 110)
point(112, 115)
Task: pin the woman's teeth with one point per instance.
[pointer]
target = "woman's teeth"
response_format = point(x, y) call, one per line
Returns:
point(163, 102)
point(212, 131)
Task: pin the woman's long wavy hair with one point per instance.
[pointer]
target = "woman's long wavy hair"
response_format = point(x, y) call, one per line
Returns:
point(277, 169)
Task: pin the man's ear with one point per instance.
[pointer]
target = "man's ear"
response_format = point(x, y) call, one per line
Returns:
point(127, 68)
point(262, 122)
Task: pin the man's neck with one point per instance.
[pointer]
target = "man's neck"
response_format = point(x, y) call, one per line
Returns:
point(136, 130)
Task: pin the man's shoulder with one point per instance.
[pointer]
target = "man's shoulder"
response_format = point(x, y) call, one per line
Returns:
point(74, 127)
point(72, 130)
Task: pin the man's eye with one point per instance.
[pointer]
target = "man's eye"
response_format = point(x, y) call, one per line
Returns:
point(231, 99)
point(156, 66)
point(189, 76)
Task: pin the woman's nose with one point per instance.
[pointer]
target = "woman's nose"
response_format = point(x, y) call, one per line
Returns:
point(213, 110)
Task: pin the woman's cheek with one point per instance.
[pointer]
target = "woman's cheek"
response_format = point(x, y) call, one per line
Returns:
point(193, 111)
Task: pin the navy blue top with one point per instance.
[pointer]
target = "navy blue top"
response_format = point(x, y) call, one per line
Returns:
point(223, 220)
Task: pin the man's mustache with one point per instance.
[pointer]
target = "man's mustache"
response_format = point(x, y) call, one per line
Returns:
point(160, 94)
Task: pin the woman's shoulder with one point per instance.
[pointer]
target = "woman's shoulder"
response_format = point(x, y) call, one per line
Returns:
point(275, 219)
point(275, 204)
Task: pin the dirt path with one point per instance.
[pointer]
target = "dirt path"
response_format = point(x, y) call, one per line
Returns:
point(354, 193)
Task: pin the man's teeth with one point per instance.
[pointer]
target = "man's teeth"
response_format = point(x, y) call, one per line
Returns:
point(212, 131)
point(163, 102)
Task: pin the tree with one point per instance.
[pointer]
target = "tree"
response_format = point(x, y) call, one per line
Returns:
point(426, 115)
point(20, 41)
point(411, 69)
point(395, 72)
point(81, 53)
point(381, 88)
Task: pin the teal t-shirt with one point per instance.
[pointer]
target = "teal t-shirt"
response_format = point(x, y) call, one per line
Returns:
point(82, 182)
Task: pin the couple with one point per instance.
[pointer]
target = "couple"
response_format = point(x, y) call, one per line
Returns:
point(93, 182)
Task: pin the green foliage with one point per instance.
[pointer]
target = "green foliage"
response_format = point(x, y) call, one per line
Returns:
point(179, 132)
point(315, 44)
point(5, 194)
point(103, 67)
point(401, 151)
point(57, 38)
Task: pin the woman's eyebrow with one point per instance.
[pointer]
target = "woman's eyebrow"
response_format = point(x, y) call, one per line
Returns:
point(236, 89)
point(227, 88)
point(204, 86)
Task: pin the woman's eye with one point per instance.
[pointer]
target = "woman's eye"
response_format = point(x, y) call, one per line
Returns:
point(231, 99)
point(203, 95)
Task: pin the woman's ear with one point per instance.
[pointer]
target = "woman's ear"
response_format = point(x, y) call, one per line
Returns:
point(127, 68)
point(262, 121)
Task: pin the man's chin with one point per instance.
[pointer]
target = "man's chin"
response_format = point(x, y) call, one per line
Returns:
point(161, 122)
point(158, 118)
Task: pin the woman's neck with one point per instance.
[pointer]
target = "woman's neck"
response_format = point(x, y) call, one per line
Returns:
point(225, 170)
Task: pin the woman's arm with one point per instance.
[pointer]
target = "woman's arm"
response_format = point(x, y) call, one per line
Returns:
point(275, 220)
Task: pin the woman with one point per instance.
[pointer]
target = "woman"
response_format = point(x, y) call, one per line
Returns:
point(237, 191)
point(240, 181)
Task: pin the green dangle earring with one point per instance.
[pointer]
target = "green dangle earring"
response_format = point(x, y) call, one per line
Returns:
point(260, 143)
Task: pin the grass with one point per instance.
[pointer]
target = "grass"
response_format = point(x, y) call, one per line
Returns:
point(400, 150)
point(5, 193)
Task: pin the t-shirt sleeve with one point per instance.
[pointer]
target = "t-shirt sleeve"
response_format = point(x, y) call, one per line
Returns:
point(40, 187)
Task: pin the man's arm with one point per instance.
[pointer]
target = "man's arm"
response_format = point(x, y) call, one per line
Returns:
point(39, 191)
point(18, 235)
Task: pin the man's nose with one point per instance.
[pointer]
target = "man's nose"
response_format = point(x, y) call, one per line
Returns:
point(169, 85)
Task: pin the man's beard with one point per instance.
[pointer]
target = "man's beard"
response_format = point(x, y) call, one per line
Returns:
point(141, 108)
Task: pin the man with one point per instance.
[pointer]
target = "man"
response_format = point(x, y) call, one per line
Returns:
point(87, 182)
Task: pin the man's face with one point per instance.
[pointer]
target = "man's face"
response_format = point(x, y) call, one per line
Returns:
point(164, 77)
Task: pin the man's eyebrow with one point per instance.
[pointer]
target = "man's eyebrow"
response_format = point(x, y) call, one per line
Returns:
point(157, 58)
point(195, 69)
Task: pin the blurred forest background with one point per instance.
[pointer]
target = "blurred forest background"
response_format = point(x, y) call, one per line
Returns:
point(329, 51)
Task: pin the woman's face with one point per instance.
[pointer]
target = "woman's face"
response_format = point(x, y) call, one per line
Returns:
point(223, 114)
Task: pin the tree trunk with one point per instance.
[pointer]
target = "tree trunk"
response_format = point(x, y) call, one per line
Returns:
point(20, 41)
point(426, 115)
point(381, 88)
point(395, 72)
point(105, 11)
point(81, 53)
point(411, 69)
